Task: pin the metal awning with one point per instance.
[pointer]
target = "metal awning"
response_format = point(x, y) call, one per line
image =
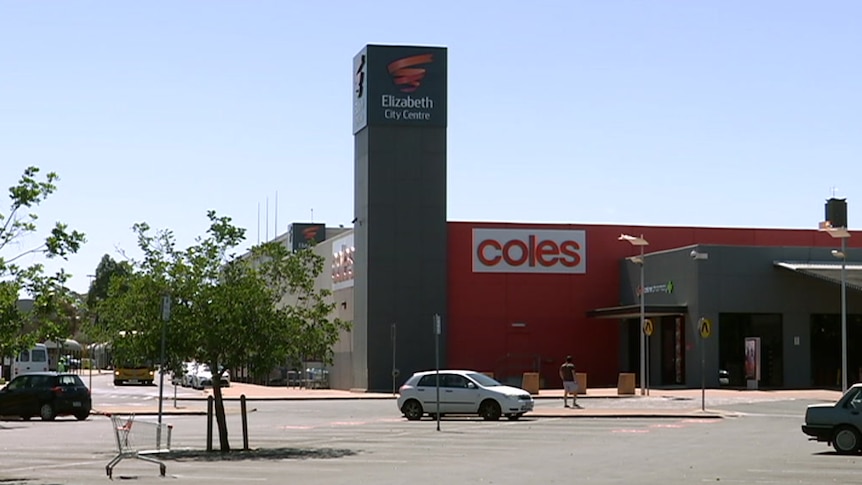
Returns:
point(634, 311)
point(827, 271)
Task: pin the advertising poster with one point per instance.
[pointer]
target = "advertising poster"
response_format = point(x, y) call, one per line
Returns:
point(752, 358)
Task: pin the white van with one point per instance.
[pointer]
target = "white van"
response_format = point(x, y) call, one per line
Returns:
point(32, 360)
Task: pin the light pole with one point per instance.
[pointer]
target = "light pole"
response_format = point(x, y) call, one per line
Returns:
point(639, 260)
point(843, 256)
point(841, 233)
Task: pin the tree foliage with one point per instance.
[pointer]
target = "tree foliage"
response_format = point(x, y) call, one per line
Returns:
point(53, 312)
point(108, 268)
point(229, 311)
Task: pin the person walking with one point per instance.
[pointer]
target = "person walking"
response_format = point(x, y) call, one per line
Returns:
point(570, 383)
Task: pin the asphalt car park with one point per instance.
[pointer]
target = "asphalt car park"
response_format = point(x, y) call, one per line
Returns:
point(367, 441)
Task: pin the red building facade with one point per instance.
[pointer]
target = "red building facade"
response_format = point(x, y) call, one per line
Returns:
point(519, 294)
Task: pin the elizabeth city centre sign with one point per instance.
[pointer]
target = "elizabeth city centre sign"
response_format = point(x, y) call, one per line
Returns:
point(399, 85)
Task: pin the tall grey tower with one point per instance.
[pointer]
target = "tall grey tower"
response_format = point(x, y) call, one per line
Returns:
point(399, 136)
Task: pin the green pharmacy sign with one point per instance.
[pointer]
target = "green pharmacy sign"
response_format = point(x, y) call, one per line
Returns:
point(662, 288)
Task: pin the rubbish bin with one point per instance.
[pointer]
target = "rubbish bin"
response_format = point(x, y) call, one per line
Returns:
point(626, 384)
point(530, 382)
point(582, 382)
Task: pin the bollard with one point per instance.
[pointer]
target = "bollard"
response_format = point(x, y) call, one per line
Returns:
point(209, 423)
point(244, 422)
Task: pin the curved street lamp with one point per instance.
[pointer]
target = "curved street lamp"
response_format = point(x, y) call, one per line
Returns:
point(639, 260)
point(843, 234)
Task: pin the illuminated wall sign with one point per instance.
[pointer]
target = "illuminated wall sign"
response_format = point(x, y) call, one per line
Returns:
point(342, 262)
point(529, 251)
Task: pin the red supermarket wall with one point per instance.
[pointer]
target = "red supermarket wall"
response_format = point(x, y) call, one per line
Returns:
point(483, 306)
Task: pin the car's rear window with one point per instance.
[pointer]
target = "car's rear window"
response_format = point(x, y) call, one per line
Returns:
point(429, 380)
point(69, 380)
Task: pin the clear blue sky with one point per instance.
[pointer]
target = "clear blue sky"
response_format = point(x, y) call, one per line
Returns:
point(703, 113)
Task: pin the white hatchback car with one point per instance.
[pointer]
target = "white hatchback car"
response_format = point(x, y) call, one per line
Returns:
point(462, 392)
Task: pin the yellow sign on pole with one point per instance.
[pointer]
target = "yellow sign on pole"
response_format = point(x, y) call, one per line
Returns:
point(705, 327)
point(648, 327)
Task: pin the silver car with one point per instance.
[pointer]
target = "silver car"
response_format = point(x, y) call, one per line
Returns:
point(461, 392)
point(837, 424)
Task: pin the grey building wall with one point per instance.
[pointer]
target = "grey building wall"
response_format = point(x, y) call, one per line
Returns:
point(739, 279)
point(400, 237)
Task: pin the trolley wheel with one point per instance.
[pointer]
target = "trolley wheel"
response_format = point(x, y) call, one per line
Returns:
point(108, 471)
point(162, 469)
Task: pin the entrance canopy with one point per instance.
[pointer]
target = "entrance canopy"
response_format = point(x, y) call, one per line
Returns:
point(827, 271)
point(68, 344)
point(634, 311)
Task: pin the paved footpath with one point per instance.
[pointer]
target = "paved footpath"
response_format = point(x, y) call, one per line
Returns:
point(599, 402)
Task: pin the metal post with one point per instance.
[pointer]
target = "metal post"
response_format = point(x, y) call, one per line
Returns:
point(843, 314)
point(210, 401)
point(437, 362)
point(702, 373)
point(647, 338)
point(394, 375)
point(643, 318)
point(166, 309)
point(244, 414)
point(90, 364)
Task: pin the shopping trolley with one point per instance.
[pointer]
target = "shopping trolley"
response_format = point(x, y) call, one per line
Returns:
point(137, 439)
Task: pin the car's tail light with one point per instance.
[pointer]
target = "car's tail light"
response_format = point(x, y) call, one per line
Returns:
point(404, 388)
point(58, 390)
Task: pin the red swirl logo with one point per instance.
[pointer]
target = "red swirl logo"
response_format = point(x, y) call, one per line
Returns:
point(310, 233)
point(406, 75)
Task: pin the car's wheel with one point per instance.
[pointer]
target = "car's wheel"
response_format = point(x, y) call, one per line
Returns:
point(412, 410)
point(846, 440)
point(81, 416)
point(490, 410)
point(25, 418)
point(46, 412)
point(118, 383)
point(513, 417)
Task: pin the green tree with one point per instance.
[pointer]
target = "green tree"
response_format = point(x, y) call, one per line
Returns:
point(107, 268)
point(228, 311)
point(20, 329)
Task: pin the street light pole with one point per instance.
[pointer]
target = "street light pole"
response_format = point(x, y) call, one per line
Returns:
point(641, 326)
point(843, 314)
point(640, 241)
point(841, 233)
point(166, 315)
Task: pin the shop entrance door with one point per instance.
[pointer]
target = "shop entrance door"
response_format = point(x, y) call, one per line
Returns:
point(672, 334)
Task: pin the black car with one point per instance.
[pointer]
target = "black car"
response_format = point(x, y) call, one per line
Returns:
point(47, 395)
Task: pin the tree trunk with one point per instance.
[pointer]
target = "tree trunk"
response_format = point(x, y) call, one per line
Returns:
point(221, 421)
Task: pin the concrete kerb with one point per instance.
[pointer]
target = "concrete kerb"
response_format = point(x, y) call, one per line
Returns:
point(634, 406)
point(536, 414)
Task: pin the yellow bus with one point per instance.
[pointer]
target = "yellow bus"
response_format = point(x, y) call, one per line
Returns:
point(132, 369)
point(134, 373)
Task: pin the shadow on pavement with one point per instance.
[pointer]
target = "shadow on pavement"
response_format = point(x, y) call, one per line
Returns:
point(257, 454)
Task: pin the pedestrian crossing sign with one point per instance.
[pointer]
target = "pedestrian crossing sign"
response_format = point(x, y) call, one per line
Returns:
point(705, 327)
point(648, 327)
